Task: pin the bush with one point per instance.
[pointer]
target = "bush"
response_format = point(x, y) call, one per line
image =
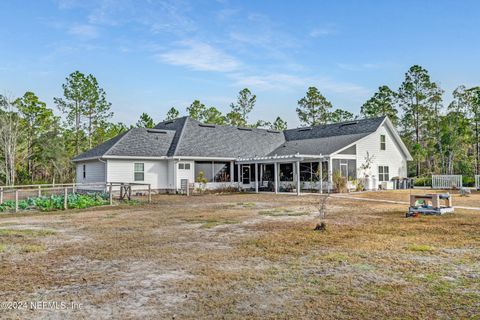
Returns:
point(468, 181)
point(339, 182)
point(423, 182)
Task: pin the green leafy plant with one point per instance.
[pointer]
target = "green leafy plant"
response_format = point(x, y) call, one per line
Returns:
point(57, 202)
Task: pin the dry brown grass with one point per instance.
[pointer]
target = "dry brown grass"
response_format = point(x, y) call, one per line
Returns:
point(218, 256)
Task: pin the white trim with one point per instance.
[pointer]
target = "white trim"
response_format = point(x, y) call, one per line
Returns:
point(135, 157)
point(398, 138)
point(202, 158)
point(286, 158)
point(345, 156)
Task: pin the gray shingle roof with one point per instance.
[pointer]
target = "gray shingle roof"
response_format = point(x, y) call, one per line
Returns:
point(99, 150)
point(317, 146)
point(335, 129)
point(201, 140)
point(189, 138)
point(136, 142)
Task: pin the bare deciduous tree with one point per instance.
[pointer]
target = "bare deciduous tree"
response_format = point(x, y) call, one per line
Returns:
point(9, 138)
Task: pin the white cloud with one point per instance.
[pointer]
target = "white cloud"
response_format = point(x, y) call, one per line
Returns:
point(84, 31)
point(201, 56)
point(322, 32)
point(281, 81)
point(271, 81)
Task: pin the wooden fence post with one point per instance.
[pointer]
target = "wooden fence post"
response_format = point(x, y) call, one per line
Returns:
point(1, 195)
point(65, 198)
point(39, 191)
point(110, 193)
point(16, 200)
point(149, 193)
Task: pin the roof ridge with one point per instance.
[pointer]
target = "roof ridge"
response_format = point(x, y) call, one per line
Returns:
point(187, 118)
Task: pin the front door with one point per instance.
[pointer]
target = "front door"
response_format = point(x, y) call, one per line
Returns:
point(246, 174)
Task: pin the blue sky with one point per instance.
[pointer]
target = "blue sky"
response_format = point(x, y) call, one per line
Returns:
point(152, 55)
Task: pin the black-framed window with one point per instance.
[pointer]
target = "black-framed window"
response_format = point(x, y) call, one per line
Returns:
point(84, 171)
point(139, 171)
point(383, 174)
point(383, 142)
point(309, 171)
point(204, 168)
point(184, 166)
point(286, 171)
point(222, 171)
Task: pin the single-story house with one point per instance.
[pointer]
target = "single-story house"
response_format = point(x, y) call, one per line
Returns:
point(247, 158)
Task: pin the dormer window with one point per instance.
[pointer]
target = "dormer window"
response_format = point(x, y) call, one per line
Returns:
point(383, 142)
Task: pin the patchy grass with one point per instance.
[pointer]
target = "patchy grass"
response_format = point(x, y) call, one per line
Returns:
point(208, 223)
point(25, 233)
point(33, 248)
point(171, 259)
point(246, 204)
point(281, 212)
point(2, 247)
point(420, 248)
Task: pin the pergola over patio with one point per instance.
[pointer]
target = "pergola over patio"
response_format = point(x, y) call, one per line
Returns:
point(260, 164)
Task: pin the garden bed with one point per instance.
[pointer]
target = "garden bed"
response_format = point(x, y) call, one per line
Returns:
point(57, 202)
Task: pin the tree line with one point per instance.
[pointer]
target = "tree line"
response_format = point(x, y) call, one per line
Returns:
point(36, 145)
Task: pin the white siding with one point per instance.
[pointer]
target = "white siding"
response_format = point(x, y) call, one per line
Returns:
point(392, 157)
point(185, 174)
point(95, 172)
point(155, 172)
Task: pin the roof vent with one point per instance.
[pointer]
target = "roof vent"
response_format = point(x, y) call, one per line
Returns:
point(245, 129)
point(305, 129)
point(205, 125)
point(348, 123)
point(168, 122)
point(273, 131)
point(156, 131)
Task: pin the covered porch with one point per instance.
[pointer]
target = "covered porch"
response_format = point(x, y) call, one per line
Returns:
point(291, 174)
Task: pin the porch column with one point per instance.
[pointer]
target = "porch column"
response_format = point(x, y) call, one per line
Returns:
point(320, 165)
point(275, 172)
point(298, 177)
point(330, 174)
point(232, 171)
point(239, 175)
point(256, 177)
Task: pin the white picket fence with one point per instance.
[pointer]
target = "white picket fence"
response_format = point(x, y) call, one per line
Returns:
point(477, 182)
point(447, 181)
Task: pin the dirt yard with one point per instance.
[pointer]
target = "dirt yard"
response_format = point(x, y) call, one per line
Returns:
point(242, 256)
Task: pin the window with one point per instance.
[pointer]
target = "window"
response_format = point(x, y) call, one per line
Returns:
point(383, 142)
point(222, 171)
point(139, 171)
point(383, 173)
point(286, 171)
point(84, 171)
point(205, 169)
point(184, 166)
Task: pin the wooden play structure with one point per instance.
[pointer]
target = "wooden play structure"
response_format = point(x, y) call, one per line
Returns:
point(430, 204)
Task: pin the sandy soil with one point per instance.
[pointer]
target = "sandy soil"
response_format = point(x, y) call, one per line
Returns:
point(242, 256)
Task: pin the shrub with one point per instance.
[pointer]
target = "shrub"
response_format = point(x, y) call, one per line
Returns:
point(468, 181)
point(339, 182)
point(423, 182)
